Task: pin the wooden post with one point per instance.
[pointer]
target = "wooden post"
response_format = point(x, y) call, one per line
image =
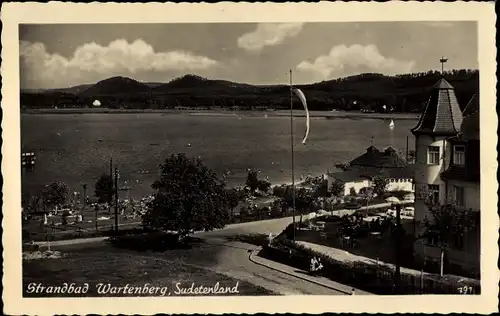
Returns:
point(398, 247)
point(421, 280)
point(116, 200)
point(442, 263)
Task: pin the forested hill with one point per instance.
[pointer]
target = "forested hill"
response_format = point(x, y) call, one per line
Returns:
point(402, 93)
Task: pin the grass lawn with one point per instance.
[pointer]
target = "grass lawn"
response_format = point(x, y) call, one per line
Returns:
point(119, 268)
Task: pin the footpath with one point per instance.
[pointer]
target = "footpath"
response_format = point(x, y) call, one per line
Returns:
point(304, 275)
point(344, 256)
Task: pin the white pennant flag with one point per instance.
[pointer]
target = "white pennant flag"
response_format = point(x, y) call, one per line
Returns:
point(302, 98)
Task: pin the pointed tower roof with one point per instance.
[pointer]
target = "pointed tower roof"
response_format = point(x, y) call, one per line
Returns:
point(442, 115)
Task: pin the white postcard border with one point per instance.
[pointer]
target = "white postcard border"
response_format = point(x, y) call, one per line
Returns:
point(14, 14)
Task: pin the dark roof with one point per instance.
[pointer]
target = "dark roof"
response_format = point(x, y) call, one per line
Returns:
point(460, 173)
point(348, 176)
point(442, 84)
point(473, 105)
point(406, 172)
point(470, 124)
point(442, 115)
point(362, 173)
point(469, 129)
point(388, 158)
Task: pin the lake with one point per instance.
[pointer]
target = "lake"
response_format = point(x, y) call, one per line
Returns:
point(76, 148)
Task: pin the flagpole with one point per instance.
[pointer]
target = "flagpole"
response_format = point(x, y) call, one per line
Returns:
point(291, 143)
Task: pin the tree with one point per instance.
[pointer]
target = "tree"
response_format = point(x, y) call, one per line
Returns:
point(263, 185)
point(380, 186)
point(352, 191)
point(55, 194)
point(279, 191)
point(337, 188)
point(233, 199)
point(321, 189)
point(411, 155)
point(366, 194)
point(32, 203)
point(189, 197)
point(447, 223)
point(303, 200)
point(252, 181)
point(104, 188)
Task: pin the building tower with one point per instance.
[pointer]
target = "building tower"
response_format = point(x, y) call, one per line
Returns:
point(441, 119)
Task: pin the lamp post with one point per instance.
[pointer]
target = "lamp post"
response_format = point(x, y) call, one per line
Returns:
point(84, 199)
point(398, 237)
point(116, 200)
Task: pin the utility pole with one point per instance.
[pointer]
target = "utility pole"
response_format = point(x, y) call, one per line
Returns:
point(84, 199)
point(291, 143)
point(96, 209)
point(110, 195)
point(442, 61)
point(116, 200)
point(406, 149)
point(84, 196)
point(398, 237)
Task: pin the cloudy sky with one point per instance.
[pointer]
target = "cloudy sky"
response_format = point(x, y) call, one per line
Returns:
point(57, 56)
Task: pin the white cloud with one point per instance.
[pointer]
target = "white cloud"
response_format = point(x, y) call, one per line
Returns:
point(93, 60)
point(268, 34)
point(345, 60)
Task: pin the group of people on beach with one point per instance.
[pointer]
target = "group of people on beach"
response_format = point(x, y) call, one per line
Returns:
point(315, 265)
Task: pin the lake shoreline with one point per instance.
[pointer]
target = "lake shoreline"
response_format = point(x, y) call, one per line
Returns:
point(77, 148)
point(229, 113)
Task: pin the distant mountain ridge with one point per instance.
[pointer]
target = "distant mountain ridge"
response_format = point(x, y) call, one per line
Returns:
point(404, 93)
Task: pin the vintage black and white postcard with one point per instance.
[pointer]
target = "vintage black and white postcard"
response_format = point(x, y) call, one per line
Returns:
point(244, 158)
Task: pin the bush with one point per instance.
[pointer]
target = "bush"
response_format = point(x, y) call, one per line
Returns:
point(399, 194)
point(157, 241)
point(329, 218)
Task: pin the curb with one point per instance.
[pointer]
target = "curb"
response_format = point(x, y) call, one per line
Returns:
point(253, 253)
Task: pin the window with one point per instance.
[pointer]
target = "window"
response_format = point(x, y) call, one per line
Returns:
point(433, 193)
point(433, 155)
point(459, 155)
point(458, 195)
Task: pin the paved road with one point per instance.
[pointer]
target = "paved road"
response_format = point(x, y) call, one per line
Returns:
point(219, 252)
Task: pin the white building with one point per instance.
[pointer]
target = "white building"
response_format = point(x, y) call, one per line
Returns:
point(447, 171)
point(360, 172)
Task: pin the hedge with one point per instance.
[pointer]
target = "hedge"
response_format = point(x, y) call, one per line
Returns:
point(364, 276)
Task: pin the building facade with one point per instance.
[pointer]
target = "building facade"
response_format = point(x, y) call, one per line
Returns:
point(360, 172)
point(446, 172)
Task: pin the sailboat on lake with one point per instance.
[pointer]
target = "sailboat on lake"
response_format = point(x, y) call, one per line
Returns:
point(391, 124)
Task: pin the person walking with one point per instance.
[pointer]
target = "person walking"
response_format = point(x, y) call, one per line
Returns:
point(312, 265)
point(269, 239)
point(319, 265)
